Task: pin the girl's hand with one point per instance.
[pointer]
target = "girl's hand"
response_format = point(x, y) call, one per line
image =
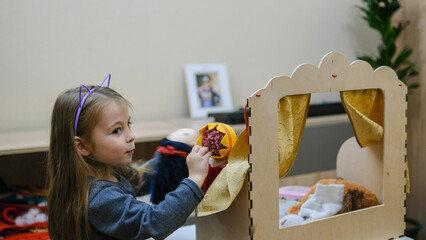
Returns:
point(198, 164)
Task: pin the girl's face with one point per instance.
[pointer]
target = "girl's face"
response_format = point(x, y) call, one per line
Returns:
point(112, 141)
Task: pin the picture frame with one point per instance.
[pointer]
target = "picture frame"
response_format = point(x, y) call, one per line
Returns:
point(208, 89)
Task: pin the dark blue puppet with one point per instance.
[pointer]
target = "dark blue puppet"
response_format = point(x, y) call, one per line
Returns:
point(168, 168)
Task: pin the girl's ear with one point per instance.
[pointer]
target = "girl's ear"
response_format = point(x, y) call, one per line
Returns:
point(81, 146)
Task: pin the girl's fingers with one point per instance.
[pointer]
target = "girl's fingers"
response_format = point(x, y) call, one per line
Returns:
point(196, 148)
point(203, 150)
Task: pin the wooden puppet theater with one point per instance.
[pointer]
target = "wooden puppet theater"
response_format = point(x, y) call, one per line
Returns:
point(242, 202)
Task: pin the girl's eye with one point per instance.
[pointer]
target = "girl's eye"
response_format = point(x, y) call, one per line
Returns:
point(116, 131)
point(129, 124)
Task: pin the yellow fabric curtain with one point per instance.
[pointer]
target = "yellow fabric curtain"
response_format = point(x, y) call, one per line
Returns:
point(292, 113)
point(365, 109)
point(229, 182)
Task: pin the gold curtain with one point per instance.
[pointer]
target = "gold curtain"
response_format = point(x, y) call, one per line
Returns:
point(292, 113)
point(365, 109)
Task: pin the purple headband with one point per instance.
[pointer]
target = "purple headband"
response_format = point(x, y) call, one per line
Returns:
point(81, 103)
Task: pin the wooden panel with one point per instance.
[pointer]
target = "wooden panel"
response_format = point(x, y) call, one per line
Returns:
point(27, 169)
point(334, 74)
point(230, 224)
point(362, 165)
point(145, 151)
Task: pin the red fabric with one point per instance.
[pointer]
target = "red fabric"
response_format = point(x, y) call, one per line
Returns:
point(8, 214)
point(170, 150)
point(211, 176)
point(27, 226)
point(4, 225)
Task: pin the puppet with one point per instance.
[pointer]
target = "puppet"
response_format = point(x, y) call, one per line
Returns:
point(219, 138)
point(168, 167)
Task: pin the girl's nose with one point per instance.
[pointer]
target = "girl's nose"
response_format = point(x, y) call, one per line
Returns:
point(131, 136)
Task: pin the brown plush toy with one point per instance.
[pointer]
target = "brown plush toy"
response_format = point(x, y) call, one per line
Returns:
point(355, 196)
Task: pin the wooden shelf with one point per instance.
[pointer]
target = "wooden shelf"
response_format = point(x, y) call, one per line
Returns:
point(148, 131)
point(24, 142)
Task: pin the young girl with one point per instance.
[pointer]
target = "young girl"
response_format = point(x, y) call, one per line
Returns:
point(90, 197)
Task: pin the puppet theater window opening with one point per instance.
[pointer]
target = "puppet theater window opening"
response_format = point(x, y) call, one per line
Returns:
point(322, 144)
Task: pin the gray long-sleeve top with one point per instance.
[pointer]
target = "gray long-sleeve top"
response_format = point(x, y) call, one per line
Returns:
point(115, 213)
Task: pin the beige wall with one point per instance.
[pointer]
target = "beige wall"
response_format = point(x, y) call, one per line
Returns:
point(415, 37)
point(47, 46)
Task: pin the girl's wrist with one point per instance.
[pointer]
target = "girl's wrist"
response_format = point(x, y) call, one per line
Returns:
point(198, 180)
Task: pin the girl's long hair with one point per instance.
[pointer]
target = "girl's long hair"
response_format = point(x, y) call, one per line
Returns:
point(71, 174)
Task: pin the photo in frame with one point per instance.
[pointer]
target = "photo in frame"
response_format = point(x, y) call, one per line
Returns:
point(208, 89)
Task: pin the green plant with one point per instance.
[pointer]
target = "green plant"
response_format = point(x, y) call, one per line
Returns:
point(378, 14)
